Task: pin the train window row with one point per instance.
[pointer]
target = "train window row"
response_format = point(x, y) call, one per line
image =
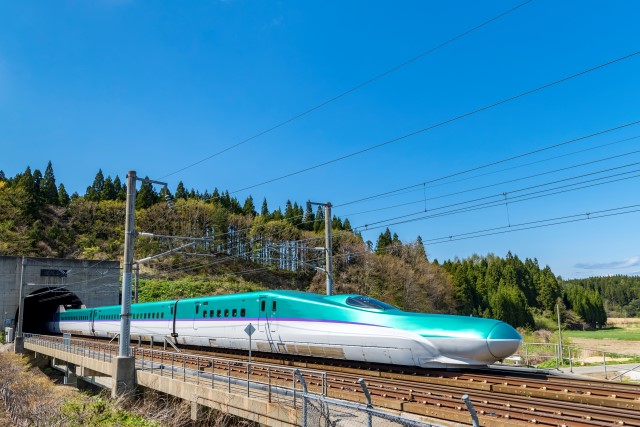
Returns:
point(148, 315)
point(75, 318)
point(224, 313)
point(108, 316)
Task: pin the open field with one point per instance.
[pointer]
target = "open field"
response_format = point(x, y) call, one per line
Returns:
point(623, 336)
point(615, 333)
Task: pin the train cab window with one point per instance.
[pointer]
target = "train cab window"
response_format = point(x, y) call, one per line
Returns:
point(263, 305)
point(369, 303)
point(219, 313)
point(234, 313)
point(273, 306)
point(226, 312)
point(243, 312)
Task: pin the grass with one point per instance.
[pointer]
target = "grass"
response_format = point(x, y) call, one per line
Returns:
point(614, 333)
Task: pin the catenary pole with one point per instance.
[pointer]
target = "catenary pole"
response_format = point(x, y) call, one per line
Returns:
point(328, 247)
point(129, 237)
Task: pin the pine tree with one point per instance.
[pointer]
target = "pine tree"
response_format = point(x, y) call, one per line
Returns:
point(181, 193)
point(95, 191)
point(384, 241)
point(37, 188)
point(147, 195)
point(347, 225)
point(277, 215)
point(48, 189)
point(288, 211)
point(26, 182)
point(108, 190)
point(308, 218)
point(336, 223)
point(420, 247)
point(2, 176)
point(63, 196)
point(120, 189)
point(318, 224)
point(215, 196)
point(264, 211)
point(249, 208)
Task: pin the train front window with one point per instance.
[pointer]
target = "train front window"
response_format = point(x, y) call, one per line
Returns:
point(368, 303)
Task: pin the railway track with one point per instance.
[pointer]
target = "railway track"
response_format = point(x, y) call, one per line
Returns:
point(500, 398)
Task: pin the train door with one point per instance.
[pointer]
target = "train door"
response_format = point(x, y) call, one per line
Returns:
point(272, 314)
point(197, 314)
point(262, 313)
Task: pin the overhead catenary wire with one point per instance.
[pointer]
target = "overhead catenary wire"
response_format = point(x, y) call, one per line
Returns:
point(439, 124)
point(567, 219)
point(498, 203)
point(354, 88)
point(426, 199)
point(497, 162)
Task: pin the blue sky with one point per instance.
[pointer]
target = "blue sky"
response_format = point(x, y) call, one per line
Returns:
point(158, 86)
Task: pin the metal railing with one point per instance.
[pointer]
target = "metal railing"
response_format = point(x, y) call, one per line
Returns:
point(274, 383)
point(318, 410)
point(90, 349)
point(568, 356)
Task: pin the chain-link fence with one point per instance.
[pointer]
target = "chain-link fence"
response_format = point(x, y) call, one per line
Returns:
point(319, 411)
point(322, 411)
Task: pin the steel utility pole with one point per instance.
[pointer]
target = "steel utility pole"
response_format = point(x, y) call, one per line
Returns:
point(328, 269)
point(129, 237)
point(18, 345)
point(328, 246)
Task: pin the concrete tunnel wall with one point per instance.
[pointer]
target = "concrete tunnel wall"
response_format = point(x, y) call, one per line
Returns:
point(50, 282)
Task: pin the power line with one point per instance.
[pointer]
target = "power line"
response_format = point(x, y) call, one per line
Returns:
point(521, 198)
point(497, 162)
point(354, 88)
point(535, 224)
point(425, 199)
point(439, 124)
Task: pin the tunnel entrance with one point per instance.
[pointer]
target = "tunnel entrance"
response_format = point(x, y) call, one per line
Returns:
point(41, 305)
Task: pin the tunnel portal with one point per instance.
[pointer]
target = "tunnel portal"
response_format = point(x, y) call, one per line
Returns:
point(41, 305)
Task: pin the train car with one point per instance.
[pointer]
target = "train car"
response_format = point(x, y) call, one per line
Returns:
point(349, 327)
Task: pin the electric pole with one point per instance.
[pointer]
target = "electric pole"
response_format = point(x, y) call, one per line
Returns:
point(328, 269)
point(129, 237)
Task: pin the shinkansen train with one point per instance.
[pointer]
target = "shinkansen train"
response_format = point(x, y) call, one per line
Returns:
point(350, 327)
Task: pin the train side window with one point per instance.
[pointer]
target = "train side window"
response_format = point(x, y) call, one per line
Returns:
point(163, 314)
point(226, 312)
point(204, 313)
point(234, 313)
point(273, 306)
point(243, 312)
point(210, 313)
point(145, 315)
point(263, 305)
point(219, 313)
point(197, 308)
point(172, 310)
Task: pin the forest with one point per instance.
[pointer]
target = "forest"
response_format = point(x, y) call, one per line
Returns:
point(272, 248)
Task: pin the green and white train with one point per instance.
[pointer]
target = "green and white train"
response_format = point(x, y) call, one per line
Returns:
point(350, 327)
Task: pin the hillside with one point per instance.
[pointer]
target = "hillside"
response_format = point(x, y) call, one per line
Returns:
point(240, 249)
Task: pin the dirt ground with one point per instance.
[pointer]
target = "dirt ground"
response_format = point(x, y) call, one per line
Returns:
point(614, 346)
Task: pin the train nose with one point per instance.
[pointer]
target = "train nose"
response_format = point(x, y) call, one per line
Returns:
point(503, 340)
